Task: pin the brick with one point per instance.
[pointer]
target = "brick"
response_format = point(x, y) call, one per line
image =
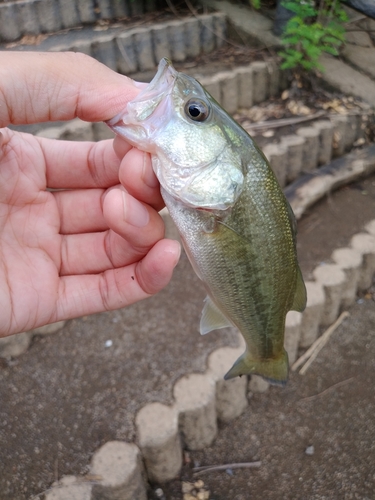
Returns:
point(48, 14)
point(229, 91)
point(143, 49)
point(160, 42)
point(340, 127)
point(48, 329)
point(14, 345)
point(231, 400)
point(370, 227)
point(77, 130)
point(311, 316)
point(192, 37)
point(350, 261)
point(83, 46)
point(220, 28)
point(196, 403)
point(260, 81)
point(176, 36)
point(10, 25)
point(310, 148)
point(207, 33)
point(277, 155)
point(159, 441)
point(120, 8)
point(104, 9)
point(325, 128)
point(333, 280)
point(245, 86)
point(125, 53)
point(292, 334)
point(28, 17)
point(103, 49)
point(69, 13)
point(365, 245)
point(258, 384)
point(273, 78)
point(86, 11)
point(119, 465)
point(69, 488)
point(213, 86)
point(294, 145)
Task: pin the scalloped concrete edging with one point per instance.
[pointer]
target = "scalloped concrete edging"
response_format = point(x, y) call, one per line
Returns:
point(200, 400)
point(32, 17)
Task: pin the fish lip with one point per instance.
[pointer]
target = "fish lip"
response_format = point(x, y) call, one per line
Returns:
point(163, 79)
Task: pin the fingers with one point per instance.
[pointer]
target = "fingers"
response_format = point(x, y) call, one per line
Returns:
point(137, 176)
point(135, 228)
point(115, 288)
point(41, 86)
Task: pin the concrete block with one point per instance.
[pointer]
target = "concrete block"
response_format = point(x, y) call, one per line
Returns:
point(104, 9)
point(325, 128)
point(159, 441)
point(176, 37)
point(350, 261)
point(48, 14)
point(120, 8)
point(229, 91)
point(77, 130)
point(119, 464)
point(258, 384)
point(196, 403)
point(340, 126)
point(14, 345)
point(86, 11)
point(294, 145)
point(231, 399)
point(365, 245)
point(292, 334)
point(370, 227)
point(10, 22)
point(171, 231)
point(83, 46)
point(136, 8)
point(47, 329)
point(260, 81)
point(213, 86)
point(69, 13)
point(207, 35)
point(102, 132)
point(277, 155)
point(103, 49)
point(50, 132)
point(70, 488)
point(192, 37)
point(125, 54)
point(220, 28)
point(28, 18)
point(245, 86)
point(310, 148)
point(143, 49)
point(273, 78)
point(333, 280)
point(351, 132)
point(160, 42)
point(311, 316)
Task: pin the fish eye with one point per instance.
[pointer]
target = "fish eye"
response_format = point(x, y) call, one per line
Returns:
point(197, 110)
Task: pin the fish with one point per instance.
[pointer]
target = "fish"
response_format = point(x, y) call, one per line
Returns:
point(236, 225)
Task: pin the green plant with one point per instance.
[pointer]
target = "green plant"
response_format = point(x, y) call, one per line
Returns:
point(318, 26)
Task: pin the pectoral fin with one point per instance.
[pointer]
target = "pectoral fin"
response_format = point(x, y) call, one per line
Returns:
point(212, 318)
point(299, 302)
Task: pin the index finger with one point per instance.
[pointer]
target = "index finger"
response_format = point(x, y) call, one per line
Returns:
point(41, 86)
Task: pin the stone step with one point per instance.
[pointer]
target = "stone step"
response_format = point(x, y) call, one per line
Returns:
point(33, 17)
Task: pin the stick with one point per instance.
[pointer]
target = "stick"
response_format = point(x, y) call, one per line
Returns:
point(212, 468)
point(335, 386)
point(323, 340)
point(283, 122)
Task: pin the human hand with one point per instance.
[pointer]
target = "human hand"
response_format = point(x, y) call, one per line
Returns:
point(94, 245)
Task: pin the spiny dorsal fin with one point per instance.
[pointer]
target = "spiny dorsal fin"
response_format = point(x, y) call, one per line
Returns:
point(212, 318)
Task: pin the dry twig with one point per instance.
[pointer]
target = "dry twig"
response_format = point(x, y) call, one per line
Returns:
point(213, 468)
point(335, 386)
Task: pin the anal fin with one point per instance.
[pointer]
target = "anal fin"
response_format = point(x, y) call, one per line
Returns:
point(300, 297)
point(212, 318)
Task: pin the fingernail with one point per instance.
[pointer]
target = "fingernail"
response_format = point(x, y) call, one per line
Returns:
point(134, 212)
point(148, 176)
point(175, 250)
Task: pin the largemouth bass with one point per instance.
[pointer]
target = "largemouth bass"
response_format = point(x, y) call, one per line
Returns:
point(235, 223)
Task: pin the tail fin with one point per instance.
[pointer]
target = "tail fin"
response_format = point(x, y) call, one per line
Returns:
point(273, 370)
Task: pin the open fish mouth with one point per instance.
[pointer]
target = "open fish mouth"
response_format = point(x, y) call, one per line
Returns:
point(140, 108)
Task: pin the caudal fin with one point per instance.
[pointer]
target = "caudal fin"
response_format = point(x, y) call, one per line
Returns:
point(273, 370)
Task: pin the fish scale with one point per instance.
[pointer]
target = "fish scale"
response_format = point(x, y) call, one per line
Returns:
point(235, 223)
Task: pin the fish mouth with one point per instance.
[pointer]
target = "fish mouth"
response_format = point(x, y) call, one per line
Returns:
point(146, 102)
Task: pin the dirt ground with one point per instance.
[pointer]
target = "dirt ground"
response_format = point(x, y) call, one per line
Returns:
point(69, 393)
